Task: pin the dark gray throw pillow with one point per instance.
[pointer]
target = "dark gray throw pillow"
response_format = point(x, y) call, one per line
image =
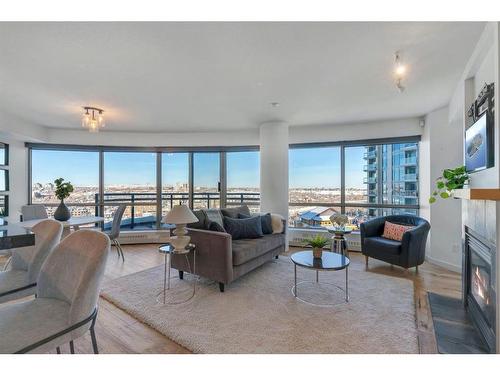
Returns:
point(202, 220)
point(243, 228)
point(216, 227)
point(234, 211)
point(267, 226)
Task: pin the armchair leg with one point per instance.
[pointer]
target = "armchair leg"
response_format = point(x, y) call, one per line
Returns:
point(416, 269)
point(58, 350)
point(181, 275)
point(71, 347)
point(366, 260)
point(277, 257)
point(221, 287)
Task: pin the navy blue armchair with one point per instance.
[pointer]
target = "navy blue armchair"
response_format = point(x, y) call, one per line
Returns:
point(410, 252)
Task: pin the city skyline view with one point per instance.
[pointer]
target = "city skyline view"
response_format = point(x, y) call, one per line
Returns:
point(309, 168)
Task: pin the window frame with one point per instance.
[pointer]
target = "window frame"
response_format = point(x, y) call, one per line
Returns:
point(357, 143)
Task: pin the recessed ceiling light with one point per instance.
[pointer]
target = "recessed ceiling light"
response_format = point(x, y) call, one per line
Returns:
point(275, 104)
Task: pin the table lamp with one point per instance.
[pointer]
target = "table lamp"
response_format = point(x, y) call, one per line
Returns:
point(180, 216)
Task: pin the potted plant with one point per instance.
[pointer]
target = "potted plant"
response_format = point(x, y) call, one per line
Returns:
point(450, 180)
point(317, 243)
point(63, 190)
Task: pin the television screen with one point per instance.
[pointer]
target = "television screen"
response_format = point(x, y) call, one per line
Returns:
point(478, 149)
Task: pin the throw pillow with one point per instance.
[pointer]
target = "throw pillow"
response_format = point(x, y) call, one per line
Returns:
point(234, 211)
point(215, 227)
point(277, 223)
point(267, 227)
point(243, 228)
point(214, 214)
point(395, 231)
point(202, 220)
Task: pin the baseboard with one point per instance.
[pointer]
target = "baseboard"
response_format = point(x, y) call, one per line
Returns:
point(448, 266)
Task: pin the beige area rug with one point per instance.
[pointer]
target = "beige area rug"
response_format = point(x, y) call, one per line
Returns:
point(259, 314)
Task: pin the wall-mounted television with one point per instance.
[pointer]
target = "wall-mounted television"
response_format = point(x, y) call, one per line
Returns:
point(479, 145)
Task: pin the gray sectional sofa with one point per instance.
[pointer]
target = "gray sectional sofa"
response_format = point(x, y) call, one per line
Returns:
point(222, 259)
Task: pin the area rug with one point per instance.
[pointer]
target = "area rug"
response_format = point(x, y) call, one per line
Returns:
point(259, 314)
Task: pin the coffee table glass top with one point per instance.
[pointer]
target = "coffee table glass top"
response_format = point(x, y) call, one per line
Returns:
point(328, 261)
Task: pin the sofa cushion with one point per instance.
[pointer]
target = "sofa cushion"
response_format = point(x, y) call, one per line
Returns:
point(234, 211)
point(267, 227)
point(278, 223)
point(248, 249)
point(383, 245)
point(213, 214)
point(202, 222)
point(243, 228)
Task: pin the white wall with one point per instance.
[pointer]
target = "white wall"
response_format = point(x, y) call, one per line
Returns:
point(348, 132)
point(441, 148)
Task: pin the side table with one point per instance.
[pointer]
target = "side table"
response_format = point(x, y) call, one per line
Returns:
point(169, 251)
point(339, 243)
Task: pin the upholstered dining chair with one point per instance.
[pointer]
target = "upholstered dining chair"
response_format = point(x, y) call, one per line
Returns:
point(28, 212)
point(65, 306)
point(33, 212)
point(115, 229)
point(20, 278)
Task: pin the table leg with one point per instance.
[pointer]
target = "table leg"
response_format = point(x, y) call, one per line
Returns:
point(295, 278)
point(346, 285)
point(332, 246)
point(317, 276)
point(168, 271)
point(165, 280)
point(66, 231)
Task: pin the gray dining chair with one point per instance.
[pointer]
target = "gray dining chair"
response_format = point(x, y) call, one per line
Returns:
point(33, 212)
point(20, 279)
point(67, 293)
point(115, 229)
point(28, 212)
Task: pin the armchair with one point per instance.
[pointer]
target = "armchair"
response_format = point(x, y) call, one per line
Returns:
point(410, 252)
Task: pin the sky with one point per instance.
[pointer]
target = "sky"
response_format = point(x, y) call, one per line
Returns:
point(310, 167)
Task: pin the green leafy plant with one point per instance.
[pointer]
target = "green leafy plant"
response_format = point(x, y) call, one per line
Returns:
point(63, 189)
point(450, 180)
point(317, 241)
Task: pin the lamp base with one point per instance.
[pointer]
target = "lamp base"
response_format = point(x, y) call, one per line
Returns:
point(179, 243)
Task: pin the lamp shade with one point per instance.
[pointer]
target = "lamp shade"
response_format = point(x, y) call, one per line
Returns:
point(180, 214)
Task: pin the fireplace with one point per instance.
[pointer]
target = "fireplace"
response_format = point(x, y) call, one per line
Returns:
point(479, 285)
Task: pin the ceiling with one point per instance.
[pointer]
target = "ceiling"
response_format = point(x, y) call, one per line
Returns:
point(176, 77)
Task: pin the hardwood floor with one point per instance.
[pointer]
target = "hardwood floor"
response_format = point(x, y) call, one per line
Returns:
point(118, 332)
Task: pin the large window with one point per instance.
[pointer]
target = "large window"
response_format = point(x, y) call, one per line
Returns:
point(243, 179)
point(175, 180)
point(148, 182)
point(379, 179)
point(314, 185)
point(81, 168)
point(130, 178)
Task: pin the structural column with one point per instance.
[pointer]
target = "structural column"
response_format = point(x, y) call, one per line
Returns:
point(274, 168)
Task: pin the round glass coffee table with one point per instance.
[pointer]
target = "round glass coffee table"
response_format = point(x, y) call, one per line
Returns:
point(169, 251)
point(328, 262)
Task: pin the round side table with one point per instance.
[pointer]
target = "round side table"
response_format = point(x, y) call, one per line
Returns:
point(168, 251)
point(339, 243)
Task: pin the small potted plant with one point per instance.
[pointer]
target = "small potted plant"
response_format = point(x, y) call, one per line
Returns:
point(63, 190)
point(317, 243)
point(450, 180)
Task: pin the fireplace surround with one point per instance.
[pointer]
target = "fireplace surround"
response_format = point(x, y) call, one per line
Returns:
point(479, 291)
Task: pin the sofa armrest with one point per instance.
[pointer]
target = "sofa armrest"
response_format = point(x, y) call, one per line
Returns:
point(214, 255)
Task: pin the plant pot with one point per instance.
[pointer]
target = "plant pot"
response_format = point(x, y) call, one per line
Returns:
point(317, 252)
point(62, 212)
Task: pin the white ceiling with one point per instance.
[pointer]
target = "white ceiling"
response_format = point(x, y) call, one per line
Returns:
point(166, 77)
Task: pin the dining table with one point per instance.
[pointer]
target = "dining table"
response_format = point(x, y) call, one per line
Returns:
point(73, 222)
point(14, 235)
